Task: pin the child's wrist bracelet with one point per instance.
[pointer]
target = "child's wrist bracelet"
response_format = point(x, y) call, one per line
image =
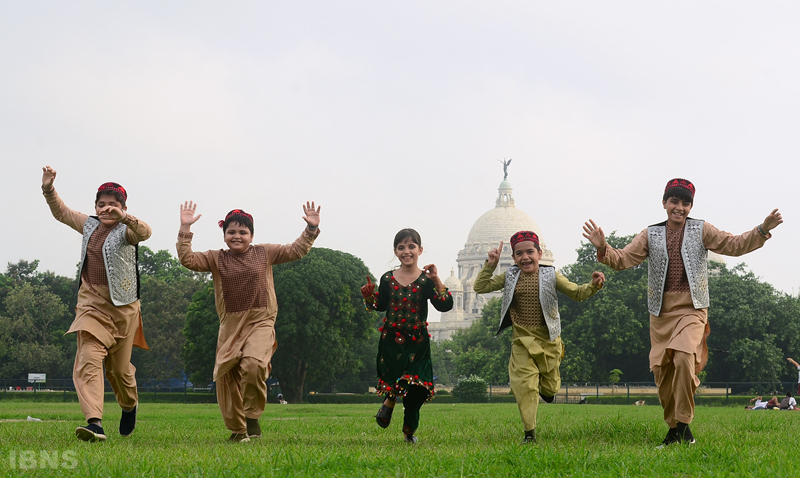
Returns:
point(762, 231)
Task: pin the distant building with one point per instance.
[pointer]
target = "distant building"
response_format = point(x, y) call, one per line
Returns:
point(496, 225)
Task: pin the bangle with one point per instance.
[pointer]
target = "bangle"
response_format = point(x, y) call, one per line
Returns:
point(312, 227)
point(762, 231)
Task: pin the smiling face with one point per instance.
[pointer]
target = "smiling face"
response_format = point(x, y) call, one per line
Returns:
point(238, 237)
point(105, 200)
point(677, 211)
point(408, 252)
point(526, 256)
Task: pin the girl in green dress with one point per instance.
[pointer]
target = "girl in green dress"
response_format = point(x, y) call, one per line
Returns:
point(404, 350)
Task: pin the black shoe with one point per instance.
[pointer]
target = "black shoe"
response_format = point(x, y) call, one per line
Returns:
point(238, 438)
point(384, 416)
point(253, 428)
point(685, 434)
point(530, 437)
point(91, 432)
point(409, 435)
point(128, 422)
point(547, 398)
point(672, 437)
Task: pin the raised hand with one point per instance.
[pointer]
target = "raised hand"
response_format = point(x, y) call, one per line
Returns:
point(311, 216)
point(113, 212)
point(494, 254)
point(368, 289)
point(598, 278)
point(773, 220)
point(187, 213)
point(48, 176)
point(594, 234)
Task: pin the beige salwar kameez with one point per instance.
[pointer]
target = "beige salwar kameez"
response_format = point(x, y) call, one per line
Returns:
point(106, 332)
point(244, 293)
point(534, 365)
point(678, 350)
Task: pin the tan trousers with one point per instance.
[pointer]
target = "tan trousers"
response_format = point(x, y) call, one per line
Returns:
point(87, 374)
point(533, 367)
point(242, 393)
point(677, 383)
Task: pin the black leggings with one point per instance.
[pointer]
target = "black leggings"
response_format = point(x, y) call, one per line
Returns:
point(412, 402)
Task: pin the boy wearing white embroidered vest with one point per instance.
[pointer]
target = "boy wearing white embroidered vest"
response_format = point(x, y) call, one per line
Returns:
point(530, 306)
point(108, 320)
point(677, 294)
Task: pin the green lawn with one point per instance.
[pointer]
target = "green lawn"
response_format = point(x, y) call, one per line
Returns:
point(454, 440)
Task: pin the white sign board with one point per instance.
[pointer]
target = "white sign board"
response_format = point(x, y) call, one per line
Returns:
point(37, 377)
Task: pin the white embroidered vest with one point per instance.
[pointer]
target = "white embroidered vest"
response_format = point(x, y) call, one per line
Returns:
point(547, 298)
point(120, 260)
point(695, 261)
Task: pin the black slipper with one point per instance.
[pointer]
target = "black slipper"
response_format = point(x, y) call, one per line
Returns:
point(384, 416)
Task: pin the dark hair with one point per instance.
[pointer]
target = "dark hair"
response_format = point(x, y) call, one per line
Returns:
point(407, 233)
point(110, 192)
point(681, 193)
point(788, 394)
point(238, 219)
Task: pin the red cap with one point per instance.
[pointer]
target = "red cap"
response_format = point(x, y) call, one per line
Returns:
point(680, 183)
point(523, 236)
point(235, 212)
point(113, 187)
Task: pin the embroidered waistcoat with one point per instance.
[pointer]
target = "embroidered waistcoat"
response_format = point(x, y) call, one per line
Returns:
point(547, 298)
point(120, 259)
point(695, 261)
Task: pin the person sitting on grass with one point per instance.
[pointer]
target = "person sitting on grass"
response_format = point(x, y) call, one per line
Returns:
point(677, 294)
point(530, 306)
point(108, 318)
point(245, 299)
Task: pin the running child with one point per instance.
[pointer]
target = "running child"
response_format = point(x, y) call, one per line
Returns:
point(245, 299)
point(404, 350)
point(677, 294)
point(108, 319)
point(530, 307)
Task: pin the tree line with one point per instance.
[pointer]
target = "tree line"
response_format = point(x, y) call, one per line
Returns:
point(754, 328)
point(325, 335)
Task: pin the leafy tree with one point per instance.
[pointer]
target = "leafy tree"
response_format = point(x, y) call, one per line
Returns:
point(613, 377)
point(476, 350)
point(753, 328)
point(321, 320)
point(200, 331)
point(32, 332)
point(610, 330)
point(166, 292)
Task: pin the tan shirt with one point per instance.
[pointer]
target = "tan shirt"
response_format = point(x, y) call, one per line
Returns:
point(244, 294)
point(95, 313)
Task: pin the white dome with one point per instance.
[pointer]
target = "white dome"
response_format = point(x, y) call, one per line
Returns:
point(499, 224)
point(453, 283)
point(714, 257)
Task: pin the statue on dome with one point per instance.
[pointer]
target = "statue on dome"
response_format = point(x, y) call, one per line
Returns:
point(505, 167)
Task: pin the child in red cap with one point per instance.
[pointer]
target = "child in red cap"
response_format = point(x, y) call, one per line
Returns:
point(108, 319)
point(677, 294)
point(530, 307)
point(244, 294)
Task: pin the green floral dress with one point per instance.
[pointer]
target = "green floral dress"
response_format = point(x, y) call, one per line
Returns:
point(404, 351)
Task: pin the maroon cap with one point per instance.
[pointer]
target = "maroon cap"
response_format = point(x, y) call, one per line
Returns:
point(680, 183)
point(235, 212)
point(523, 236)
point(113, 187)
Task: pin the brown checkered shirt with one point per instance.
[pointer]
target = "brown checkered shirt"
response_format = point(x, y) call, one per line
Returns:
point(94, 267)
point(244, 279)
point(676, 272)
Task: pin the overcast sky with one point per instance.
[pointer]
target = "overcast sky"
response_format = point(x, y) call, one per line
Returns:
point(395, 114)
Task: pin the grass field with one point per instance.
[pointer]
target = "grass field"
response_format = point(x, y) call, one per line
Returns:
point(454, 440)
